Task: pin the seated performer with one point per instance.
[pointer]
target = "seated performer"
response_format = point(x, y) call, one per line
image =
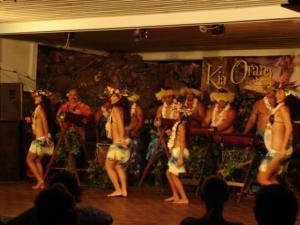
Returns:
point(196, 109)
point(118, 153)
point(221, 115)
point(75, 106)
point(165, 111)
point(277, 137)
point(134, 130)
point(179, 152)
point(43, 144)
point(261, 112)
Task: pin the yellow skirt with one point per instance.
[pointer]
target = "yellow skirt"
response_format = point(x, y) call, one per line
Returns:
point(40, 147)
point(173, 165)
point(118, 153)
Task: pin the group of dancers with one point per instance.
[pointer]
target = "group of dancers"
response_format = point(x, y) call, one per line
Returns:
point(124, 120)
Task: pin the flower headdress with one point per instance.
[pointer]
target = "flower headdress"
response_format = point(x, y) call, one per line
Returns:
point(133, 97)
point(109, 91)
point(40, 93)
point(261, 86)
point(288, 87)
point(164, 92)
point(182, 108)
point(222, 94)
point(183, 91)
point(112, 91)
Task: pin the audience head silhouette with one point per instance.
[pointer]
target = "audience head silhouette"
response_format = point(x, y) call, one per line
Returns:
point(55, 205)
point(68, 179)
point(214, 191)
point(275, 204)
point(88, 215)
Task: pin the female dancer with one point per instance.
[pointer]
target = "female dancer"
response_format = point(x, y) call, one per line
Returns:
point(179, 152)
point(118, 153)
point(278, 140)
point(43, 144)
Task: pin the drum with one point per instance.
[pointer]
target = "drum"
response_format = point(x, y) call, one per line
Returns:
point(101, 152)
point(238, 140)
point(167, 123)
point(201, 130)
point(73, 118)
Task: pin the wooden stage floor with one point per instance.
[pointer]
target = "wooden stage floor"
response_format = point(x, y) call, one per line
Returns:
point(143, 206)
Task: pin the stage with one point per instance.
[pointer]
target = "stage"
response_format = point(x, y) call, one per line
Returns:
point(143, 206)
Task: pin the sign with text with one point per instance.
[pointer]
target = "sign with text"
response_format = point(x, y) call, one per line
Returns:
point(249, 73)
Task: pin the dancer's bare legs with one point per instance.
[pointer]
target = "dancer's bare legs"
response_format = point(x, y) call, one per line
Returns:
point(174, 196)
point(110, 169)
point(269, 176)
point(123, 179)
point(179, 187)
point(40, 170)
point(35, 167)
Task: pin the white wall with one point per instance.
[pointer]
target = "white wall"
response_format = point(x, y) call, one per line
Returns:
point(20, 57)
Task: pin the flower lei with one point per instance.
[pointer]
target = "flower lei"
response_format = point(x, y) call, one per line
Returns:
point(112, 91)
point(268, 105)
point(171, 141)
point(194, 106)
point(218, 118)
point(133, 108)
point(164, 111)
point(41, 92)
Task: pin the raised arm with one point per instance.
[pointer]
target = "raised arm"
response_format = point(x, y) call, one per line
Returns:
point(252, 119)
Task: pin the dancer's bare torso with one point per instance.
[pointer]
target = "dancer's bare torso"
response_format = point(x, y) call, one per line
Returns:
point(117, 126)
point(38, 125)
point(278, 132)
point(263, 115)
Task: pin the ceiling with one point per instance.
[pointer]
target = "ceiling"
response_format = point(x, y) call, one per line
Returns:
point(172, 25)
point(36, 10)
point(258, 35)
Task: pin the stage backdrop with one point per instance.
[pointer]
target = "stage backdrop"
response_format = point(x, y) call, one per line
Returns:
point(241, 73)
point(59, 70)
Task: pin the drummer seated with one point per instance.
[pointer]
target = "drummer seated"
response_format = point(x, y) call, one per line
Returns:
point(75, 107)
point(221, 115)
